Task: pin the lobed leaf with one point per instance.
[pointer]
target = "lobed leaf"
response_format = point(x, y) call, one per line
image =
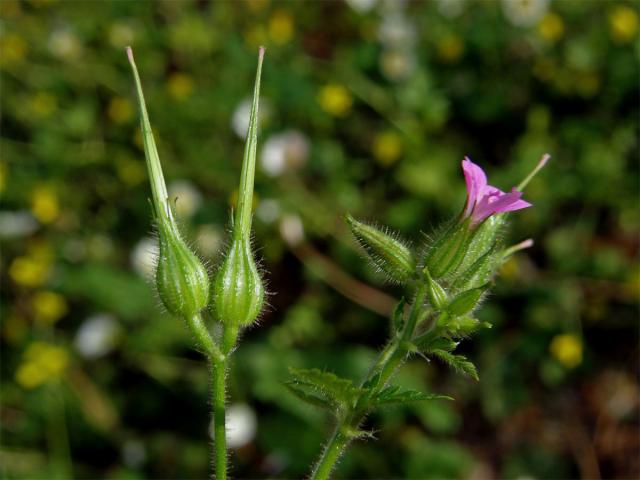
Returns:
point(335, 390)
point(394, 395)
point(458, 362)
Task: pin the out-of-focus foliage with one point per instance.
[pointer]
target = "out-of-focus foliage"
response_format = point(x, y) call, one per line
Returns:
point(369, 107)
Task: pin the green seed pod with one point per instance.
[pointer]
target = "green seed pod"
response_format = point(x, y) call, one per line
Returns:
point(465, 302)
point(181, 278)
point(238, 289)
point(449, 249)
point(386, 252)
point(437, 294)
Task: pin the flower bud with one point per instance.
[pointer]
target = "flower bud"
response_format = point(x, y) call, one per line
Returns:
point(465, 325)
point(448, 251)
point(386, 252)
point(238, 289)
point(437, 294)
point(181, 278)
point(465, 302)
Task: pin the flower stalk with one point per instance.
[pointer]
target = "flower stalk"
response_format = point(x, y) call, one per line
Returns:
point(455, 276)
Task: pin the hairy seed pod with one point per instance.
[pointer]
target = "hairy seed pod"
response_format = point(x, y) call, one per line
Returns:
point(387, 253)
point(181, 278)
point(238, 289)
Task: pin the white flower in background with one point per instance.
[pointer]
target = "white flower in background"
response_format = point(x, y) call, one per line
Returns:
point(17, 224)
point(524, 13)
point(133, 453)
point(362, 6)
point(185, 198)
point(241, 425)
point(64, 44)
point(288, 149)
point(240, 116)
point(291, 229)
point(209, 238)
point(268, 210)
point(396, 31)
point(451, 8)
point(97, 335)
point(144, 255)
point(397, 64)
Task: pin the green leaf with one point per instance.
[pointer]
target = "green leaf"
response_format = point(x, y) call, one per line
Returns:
point(329, 386)
point(308, 397)
point(458, 362)
point(429, 343)
point(394, 395)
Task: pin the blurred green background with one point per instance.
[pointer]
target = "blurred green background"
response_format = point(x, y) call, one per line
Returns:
point(368, 107)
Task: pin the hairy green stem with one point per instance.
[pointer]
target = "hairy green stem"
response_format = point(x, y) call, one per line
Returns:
point(386, 365)
point(218, 393)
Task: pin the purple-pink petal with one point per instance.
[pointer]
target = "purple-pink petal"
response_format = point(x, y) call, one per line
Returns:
point(476, 181)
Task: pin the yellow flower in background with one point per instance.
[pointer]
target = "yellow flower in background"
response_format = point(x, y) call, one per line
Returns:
point(31, 270)
point(13, 48)
point(551, 27)
point(387, 148)
point(120, 110)
point(255, 36)
point(281, 27)
point(3, 176)
point(131, 172)
point(335, 99)
point(567, 349)
point(623, 24)
point(42, 104)
point(450, 48)
point(49, 307)
point(180, 86)
point(44, 204)
point(42, 362)
point(257, 5)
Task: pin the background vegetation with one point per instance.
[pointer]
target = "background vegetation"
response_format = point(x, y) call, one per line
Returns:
point(369, 108)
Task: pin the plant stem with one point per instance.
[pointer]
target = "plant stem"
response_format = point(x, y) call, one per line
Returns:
point(386, 365)
point(332, 452)
point(218, 373)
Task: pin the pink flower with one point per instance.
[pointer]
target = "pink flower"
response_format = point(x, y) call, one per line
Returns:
point(483, 200)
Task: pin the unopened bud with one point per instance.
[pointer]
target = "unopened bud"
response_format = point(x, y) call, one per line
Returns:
point(466, 325)
point(386, 252)
point(437, 294)
point(466, 301)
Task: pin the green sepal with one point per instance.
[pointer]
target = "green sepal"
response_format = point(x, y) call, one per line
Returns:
point(387, 253)
point(465, 325)
point(484, 239)
point(466, 301)
point(449, 249)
